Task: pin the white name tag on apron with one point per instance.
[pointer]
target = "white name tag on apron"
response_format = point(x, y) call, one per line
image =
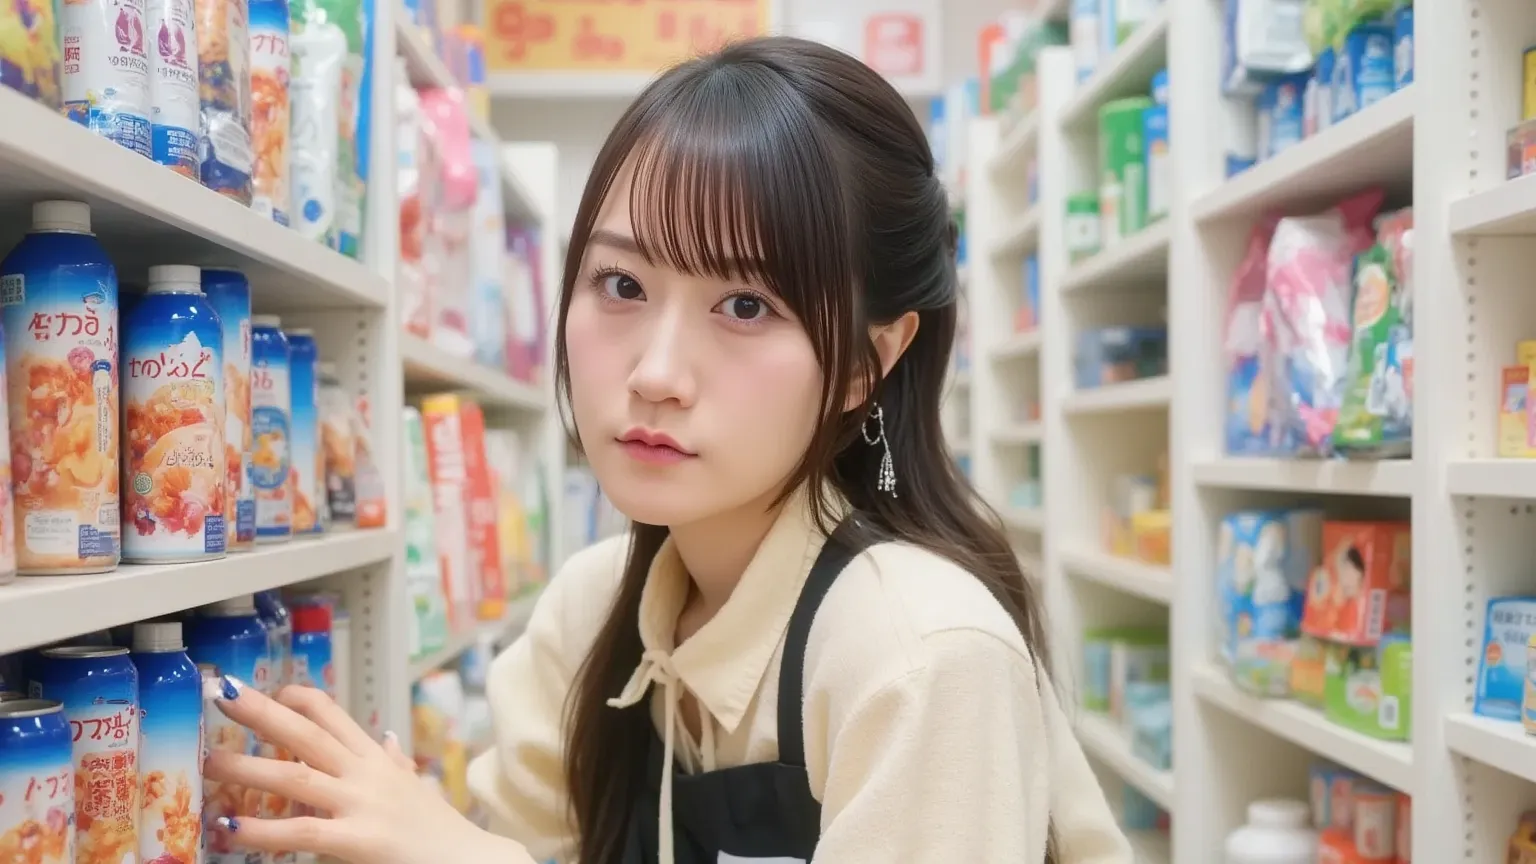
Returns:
point(728, 858)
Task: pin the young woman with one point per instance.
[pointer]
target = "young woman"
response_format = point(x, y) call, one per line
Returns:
point(813, 646)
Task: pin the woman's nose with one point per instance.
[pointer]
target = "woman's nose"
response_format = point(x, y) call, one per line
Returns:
point(663, 371)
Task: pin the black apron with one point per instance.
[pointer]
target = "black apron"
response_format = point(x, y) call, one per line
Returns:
point(764, 810)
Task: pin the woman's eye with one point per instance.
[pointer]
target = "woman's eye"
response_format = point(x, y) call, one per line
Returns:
point(620, 286)
point(745, 307)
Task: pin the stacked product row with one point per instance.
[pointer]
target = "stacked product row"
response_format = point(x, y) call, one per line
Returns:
point(264, 101)
point(177, 430)
point(451, 723)
point(475, 520)
point(102, 737)
point(1347, 820)
point(469, 283)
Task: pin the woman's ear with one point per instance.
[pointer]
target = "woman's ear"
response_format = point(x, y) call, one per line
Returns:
point(890, 341)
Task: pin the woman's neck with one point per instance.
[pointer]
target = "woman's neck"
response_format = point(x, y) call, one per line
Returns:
point(717, 550)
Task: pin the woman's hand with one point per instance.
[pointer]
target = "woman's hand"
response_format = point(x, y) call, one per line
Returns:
point(380, 812)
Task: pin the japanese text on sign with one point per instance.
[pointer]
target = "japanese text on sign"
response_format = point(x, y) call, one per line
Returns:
point(642, 36)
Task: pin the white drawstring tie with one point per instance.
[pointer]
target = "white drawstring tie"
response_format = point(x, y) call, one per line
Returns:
point(656, 668)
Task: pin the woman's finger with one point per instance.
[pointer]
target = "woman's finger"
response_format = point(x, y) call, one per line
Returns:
point(282, 726)
point(396, 754)
point(288, 779)
point(308, 833)
point(328, 715)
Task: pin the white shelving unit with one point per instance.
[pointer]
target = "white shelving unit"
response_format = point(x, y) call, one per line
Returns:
point(1438, 144)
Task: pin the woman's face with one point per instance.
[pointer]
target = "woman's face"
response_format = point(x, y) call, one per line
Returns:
point(720, 373)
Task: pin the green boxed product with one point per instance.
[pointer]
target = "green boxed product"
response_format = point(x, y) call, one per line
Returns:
point(1012, 86)
point(1122, 168)
point(1370, 690)
point(1082, 226)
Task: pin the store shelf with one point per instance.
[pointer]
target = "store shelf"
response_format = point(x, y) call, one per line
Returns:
point(1017, 346)
point(1128, 396)
point(1384, 761)
point(1020, 235)
point(1031, 519)
point(426, 69)
point(1104, 741)
point(1017, 145)
point(1320, 476)
point(42, 609)
point(1149, 581)
point(1508, 209)
point(146, 214)
point(426, 366)
point(512, 624)
point(1128, 72)
point(1373, 147)
point(1502, 744)
point(1017, 434)
point(1492, 478)
point(1139, 259)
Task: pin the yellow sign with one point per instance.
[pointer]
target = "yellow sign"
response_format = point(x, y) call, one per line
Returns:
point(612, 35)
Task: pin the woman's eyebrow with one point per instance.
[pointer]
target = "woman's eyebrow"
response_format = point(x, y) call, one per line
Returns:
point(614, 240)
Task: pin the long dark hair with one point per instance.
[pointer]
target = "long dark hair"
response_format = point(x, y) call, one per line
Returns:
point(795, 166)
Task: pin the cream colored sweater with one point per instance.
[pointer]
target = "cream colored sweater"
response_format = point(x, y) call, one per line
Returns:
point(930, 734)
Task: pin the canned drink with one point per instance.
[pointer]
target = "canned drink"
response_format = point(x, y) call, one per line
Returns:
point(271, 429)
point(37, 784)
point(106, 70)
point(171, 745)
point(230, 295)
point(229, 637)
point(99, 688)
point(173, 423)
point(7, 500)
point(308, 468)
point(58, 290)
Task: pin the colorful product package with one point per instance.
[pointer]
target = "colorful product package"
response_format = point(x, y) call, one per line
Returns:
point(1249, 424)
point(410, 269)
point(1508, 626)
point(524, 296)
point(442, 420)
point(174, 100)
point(29, 54)
point(501, 454)
point(306, 470)
point(1332, 797)
point(423, 570)
point(229, 292)
point(1514, 413)
point(1360, 593)
point(1263, 558)
point(488, 315)
point(271, 112)
point(223, 75)
point(338, 444)
point(484, 550)
point(372, 509)
point(316, 95)
point(1370, 690)
point(1309, 671)
point(1376, 414)
point(353, 17)
point(106, 70)
point(452, 196)
point(1362, 69)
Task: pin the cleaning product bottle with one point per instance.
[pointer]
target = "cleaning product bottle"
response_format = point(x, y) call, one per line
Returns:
point(1277, 833)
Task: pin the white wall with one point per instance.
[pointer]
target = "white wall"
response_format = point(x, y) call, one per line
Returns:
point(578, 126)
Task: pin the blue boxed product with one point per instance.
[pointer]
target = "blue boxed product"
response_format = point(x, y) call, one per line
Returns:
point(1111, 355)
point(1319, 105)
point(1263, 560)
point(1507, 630)
point(1362, 70)
point(1160, 87)
point(1281, 114)
point(1402, 34)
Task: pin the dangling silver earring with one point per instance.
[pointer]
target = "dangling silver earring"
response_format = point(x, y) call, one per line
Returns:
point(886, 482)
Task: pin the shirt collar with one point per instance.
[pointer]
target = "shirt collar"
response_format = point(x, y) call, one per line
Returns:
point(723, 664)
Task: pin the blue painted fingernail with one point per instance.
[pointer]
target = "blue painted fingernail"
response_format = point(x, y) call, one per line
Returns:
point(229, 688)
point(228, 823)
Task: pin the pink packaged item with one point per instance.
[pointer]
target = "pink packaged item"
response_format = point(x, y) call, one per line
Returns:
point(1249, 431)
point(1305, 319)
point(412, 157)
point(449, 186)
point(445, 109)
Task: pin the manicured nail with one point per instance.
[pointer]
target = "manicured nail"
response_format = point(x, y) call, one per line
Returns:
point(391, 738)
point(228, 823)
point(230, 687)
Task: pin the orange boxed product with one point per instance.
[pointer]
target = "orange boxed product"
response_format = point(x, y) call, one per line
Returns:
point(1335, 846)
point(1360, 591)
point(442, 421)
point(1404, 829)
point(1522, 844)
point(486, 574)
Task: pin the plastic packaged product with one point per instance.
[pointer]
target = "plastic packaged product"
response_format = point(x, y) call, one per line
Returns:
point(224, 71)
point(1122, 171)
point(1087, 44)
point(1305, 318)
point(488, 251)
point(1508, 627)
point(1282, 121)
point(319, 66)
point(1261, 39)
point(423, 572)
point(58, 291)
point(99, 688)
point(171, 750)
point(307, 466)
point(1263, 559)
point(1082, 227)
point(410, 272)
point(1402, 46)
point(1276, 833)
point(173, 421)
point(338, 445)
point(36, 756)
point(1362, 70)
point(1328, 22)
point(271, 112)
point(371, 508)
point(106, 70)
point(1155, 155)
point(349, 19)
point(271, 429)
point(452, 183)
point(1376, 412)
point(29, 56)
point(230, 295)
point(173, 90)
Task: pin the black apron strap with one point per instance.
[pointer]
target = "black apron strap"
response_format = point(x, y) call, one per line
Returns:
point(841, 547)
